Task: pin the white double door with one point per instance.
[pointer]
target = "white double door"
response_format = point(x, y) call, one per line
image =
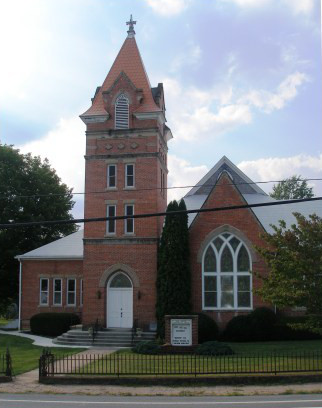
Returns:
point(120, 307)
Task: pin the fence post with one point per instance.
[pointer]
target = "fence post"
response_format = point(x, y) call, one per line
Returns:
point(195, 364)
point(8, 364)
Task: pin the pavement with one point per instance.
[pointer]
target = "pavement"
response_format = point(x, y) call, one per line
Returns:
point(38, 340)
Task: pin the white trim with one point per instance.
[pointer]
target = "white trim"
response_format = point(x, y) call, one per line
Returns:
point(224, 160)
point(61, 292)
point(94, 118)
point(109, 176)
point(43, 291)
point(108, 289)
point(108, 222)
point(75, 292)
point(125, 221)
point(20, 293)
point(159, 115)
point(234, 273)
point(126, 175)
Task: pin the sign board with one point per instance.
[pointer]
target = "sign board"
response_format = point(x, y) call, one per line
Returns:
point(181, 332)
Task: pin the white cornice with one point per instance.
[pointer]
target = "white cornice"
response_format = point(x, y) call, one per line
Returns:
point(94, 118)
point(158, 115)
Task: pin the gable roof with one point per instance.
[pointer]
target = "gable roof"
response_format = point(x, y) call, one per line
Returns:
point(252, 194)
point(69, 247)
point(130, 62)
point(206, 184)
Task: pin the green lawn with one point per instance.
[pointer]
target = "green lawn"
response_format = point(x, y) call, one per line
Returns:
point(268, 357)
point(3, 321)
point(24, 355)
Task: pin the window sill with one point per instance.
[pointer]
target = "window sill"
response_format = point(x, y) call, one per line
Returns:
point(240, 309)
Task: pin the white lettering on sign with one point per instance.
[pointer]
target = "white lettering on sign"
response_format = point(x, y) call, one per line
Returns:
point(181, 332)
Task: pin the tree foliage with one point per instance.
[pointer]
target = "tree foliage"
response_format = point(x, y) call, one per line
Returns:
point(23, 175)
point(294, 258)
point(292, 188)
point(173, 276)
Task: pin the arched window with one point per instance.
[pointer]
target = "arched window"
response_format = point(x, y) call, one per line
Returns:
point(226, 277)
point(120, 280)
point(122, 112)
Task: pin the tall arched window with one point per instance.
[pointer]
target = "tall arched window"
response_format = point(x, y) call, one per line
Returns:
point(226, 277)
point(122, 112)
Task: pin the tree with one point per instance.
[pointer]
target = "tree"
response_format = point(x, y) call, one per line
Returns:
point(173, 276)
point(292, 188)
point(30, 190)
point(294, 258)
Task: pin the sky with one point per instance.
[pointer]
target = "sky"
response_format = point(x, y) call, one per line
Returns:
point(242, 78)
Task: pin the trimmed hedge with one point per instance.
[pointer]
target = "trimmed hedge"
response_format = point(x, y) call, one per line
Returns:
point(262, 324)
point(214, 348)
point(207, 328)
point(52, 324)
point(147, 347)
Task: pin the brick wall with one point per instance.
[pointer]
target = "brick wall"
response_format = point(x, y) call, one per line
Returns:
point(32, 271)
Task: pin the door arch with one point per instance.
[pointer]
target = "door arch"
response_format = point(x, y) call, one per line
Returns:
point(119, 301)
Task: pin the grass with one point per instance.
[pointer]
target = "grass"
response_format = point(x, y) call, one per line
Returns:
point(24, 355)
point(248, 357)
point(3, 321)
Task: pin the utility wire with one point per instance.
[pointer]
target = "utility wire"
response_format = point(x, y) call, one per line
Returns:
point(149, 189)
point(158, 214)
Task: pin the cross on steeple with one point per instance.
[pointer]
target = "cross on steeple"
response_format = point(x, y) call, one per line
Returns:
point(131, 31)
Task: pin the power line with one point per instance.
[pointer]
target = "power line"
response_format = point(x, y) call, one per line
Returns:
point(150, 215)
point(14, 196)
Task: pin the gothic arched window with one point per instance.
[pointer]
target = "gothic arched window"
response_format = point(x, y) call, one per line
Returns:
point(226, 277)
point(122, 112)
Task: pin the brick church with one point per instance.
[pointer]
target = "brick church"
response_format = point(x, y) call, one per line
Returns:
point(107, 271)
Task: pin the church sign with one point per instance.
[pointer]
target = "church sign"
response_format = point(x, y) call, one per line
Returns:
point(181, 332)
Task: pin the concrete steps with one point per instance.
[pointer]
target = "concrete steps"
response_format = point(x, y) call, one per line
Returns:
point(103, 338)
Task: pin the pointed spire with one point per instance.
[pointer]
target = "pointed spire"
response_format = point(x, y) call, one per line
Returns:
point(131, 32)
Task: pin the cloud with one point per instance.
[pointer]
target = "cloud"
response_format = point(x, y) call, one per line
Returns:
point(191, 56)
point(297, 6)
point(195, 113)
point(269, 101)
point(182, 173)
point(278, 168)
point(64, 147)
point(168, 8)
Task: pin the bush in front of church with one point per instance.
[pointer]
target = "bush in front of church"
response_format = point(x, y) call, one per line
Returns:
point(52, 324)
point(147, 347)
point(207, 328)
point(259, 325)
point(214, 348)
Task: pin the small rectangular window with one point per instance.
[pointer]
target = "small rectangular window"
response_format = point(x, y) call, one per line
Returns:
point(111, 175)
point(44, 292)
point(81, 292)
point(111, 224)
point(57, 295)
point(129, 175)
point(129, 222)
point(71, 292)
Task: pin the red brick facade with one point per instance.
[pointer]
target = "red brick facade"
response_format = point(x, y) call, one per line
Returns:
point(143, 145)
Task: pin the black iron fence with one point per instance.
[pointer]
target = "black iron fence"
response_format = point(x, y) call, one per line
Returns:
point(173, 364)
point(5, 364)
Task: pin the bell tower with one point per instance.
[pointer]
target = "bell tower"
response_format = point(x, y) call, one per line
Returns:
point(125, 174)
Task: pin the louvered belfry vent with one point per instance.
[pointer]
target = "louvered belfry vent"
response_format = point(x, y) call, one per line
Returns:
point(122, 112)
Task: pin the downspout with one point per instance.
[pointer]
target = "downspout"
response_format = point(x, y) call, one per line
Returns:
point(20, 294)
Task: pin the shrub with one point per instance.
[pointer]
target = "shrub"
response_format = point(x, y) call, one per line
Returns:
point(214, 348)
point(237, 329)
point(147, 347)
point(263, 322)
point(52, 324)
point(207, 328)
point(284, 332)
point(259, 325)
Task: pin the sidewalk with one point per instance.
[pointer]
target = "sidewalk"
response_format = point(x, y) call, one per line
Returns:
point(39, 340)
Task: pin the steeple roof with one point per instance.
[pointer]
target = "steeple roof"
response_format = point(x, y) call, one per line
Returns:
point(130, 62)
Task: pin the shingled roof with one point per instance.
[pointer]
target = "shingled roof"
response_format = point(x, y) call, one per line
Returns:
point(130, 62)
